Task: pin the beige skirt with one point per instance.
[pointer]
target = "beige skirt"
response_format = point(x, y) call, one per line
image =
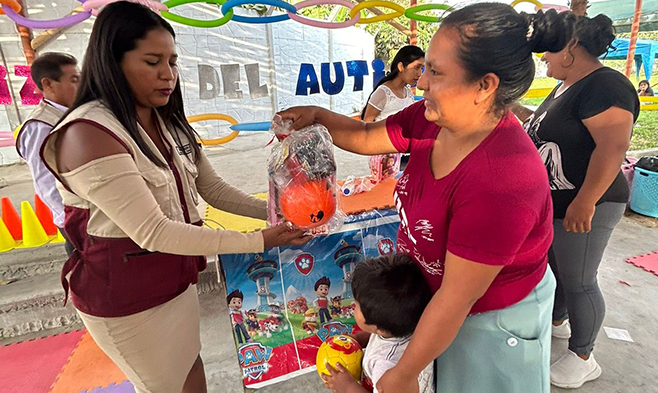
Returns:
point(155, 348)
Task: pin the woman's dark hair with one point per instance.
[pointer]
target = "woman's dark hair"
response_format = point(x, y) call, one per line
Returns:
point(496, 39)
point(116, 31)
point(406, 55)
point(392, 293)
point(595, 34)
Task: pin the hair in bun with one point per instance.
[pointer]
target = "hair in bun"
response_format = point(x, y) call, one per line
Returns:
point(497, 39)
point(595, 34)
point(549, 31)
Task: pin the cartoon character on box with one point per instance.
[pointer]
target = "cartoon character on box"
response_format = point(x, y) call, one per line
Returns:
point(301, 304)
point(336, 306)
point(252, 323)
point(275, 310)
point(234, 300)
point(310, 322)
point(340, 349)
point(264, 327)
point(322, 302)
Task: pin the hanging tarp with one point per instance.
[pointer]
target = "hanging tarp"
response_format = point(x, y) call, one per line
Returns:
point(645, 53)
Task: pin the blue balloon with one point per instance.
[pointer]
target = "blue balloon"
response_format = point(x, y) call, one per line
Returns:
point(264, 19)
point(258, 126)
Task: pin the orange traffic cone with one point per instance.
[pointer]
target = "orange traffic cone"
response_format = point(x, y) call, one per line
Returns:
point(7, 241)
point(12, 219)
point(45, 216)
point(33, 233)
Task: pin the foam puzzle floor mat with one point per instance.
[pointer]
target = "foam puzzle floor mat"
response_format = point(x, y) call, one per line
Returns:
point(648, 262)
point(64, 363)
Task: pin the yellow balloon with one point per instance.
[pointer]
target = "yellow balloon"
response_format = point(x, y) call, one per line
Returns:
point(215, 116)
point(398, 11)
point(535, 2)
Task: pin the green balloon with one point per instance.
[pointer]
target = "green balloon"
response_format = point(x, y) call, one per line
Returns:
point(195, 22)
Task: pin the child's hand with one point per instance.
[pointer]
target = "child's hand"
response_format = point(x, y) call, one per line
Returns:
point(340, 380)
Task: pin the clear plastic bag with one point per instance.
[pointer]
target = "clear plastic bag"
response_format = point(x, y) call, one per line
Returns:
point(302, 179)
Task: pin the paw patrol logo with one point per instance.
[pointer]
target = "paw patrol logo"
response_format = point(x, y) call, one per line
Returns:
point(304, 263)
point(385, 246)
point(254, 359)
point(331, 329)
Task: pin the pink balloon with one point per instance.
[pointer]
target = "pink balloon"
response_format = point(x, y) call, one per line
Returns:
point(92, 5)
point(558, 8)
point(7, 139)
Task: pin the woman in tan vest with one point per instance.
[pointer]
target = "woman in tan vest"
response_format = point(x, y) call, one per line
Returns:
point(131, 172)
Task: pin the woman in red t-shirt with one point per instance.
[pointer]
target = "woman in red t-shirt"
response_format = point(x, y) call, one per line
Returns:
point(474, 203)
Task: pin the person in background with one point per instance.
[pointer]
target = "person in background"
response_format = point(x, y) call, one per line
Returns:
point(57, 77)
point(474, 203)
point(582, 131)
point(393, 92)
point(644, 89)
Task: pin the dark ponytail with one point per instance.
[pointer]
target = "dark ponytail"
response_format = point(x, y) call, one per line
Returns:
point(406, 55)
point(496, 39)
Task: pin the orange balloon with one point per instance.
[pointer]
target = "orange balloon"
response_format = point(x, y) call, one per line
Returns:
point(308, 205)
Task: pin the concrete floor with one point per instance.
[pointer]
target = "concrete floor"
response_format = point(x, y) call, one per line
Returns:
point(627, 367)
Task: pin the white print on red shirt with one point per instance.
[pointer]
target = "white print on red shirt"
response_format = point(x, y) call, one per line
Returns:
point(425, 228)
point(402, 184)
point(434, 268)
point(402, 247)
point(404, 223)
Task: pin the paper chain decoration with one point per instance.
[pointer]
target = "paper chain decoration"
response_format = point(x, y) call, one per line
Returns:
point(12, 8)
point(91, 7)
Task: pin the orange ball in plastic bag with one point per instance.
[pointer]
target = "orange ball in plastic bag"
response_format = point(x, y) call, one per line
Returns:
point(308, 205)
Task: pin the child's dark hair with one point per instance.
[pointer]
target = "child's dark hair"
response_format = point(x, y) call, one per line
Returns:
point(646, 82)
point(392, 293)
point(322, 281)
point(49, 65)
point(237, 293)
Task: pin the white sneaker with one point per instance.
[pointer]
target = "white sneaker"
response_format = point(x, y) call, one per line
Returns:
point(562, 330)
point(571, 372)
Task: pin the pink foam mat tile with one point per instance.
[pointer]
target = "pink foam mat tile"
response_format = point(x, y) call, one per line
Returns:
point(32, 366)
point(648, 262)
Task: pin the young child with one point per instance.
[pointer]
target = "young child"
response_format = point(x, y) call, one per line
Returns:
point(390, 294)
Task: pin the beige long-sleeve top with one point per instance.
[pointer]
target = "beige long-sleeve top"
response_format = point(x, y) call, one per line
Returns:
point(129, 196)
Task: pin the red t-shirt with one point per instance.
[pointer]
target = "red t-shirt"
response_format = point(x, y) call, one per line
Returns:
point(493, 208)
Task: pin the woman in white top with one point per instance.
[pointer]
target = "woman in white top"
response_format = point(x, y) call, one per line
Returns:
point(392, 93)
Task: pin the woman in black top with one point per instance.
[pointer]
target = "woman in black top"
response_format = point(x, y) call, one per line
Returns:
point(582, 131)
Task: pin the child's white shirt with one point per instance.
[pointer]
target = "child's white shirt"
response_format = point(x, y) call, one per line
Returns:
point(382, 354)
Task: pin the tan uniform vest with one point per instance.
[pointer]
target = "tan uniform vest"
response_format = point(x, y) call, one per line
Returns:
point(111, 276)
point(161, 181)
point(44, 113)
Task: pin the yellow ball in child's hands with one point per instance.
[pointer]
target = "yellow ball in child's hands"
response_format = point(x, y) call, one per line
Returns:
point(340, 349)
